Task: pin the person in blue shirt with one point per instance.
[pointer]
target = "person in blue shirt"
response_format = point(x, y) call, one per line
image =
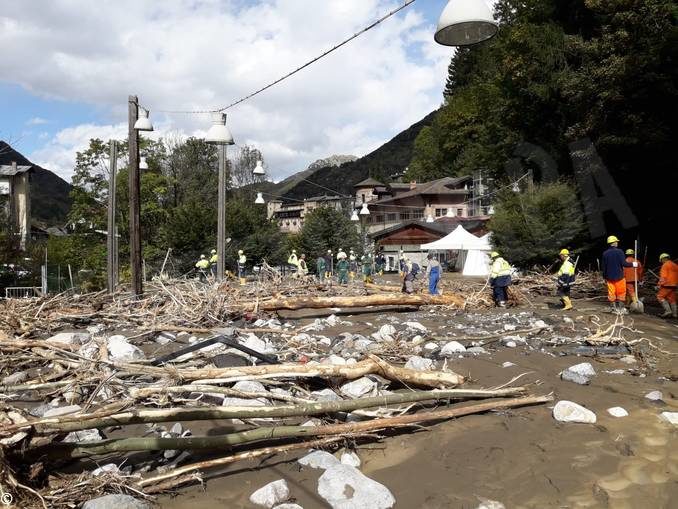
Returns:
point(433, 273)
point(613, 264)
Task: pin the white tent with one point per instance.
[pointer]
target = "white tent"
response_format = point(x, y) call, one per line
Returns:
point(473, 250)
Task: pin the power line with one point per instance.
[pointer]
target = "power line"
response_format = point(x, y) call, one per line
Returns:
point(300, 68)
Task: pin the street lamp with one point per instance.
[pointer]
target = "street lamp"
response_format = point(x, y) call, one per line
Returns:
point(354, 216)
point(364, 211)
point(219, 135)
point(259, 169)
point(260, 199)
point(143, 165)
point(429, 219)
point(143, 123)
point(465, 22)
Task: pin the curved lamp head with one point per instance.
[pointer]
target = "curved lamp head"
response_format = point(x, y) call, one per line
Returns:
point(354, 216)
point(259, 169)
point(143, 123)
point(429, 219)
point(364, 211)
point(260, 199)
point(143, 165)
point(219, 133)
point(465, 22)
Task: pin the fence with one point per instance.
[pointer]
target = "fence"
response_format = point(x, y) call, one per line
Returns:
point(22, 292)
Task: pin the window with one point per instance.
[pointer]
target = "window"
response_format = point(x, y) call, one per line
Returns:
point(392, 217)
point(417, 214)
point(460, 212)
point(363, 195)
point(379, 218)
point(441, 212)
point(404, 216)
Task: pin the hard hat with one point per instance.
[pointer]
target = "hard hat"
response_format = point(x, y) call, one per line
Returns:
point(294, 251)
point(664, 256)
point(240, 251)
point(202, 256)
point(494, 254)
point(329, 250)
point(213, 251)
point(565, 252)
point(612, 239)
point(630, 252)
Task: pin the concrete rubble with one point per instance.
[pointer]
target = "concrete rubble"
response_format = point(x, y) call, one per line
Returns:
point(272, 494)
point(568, 411)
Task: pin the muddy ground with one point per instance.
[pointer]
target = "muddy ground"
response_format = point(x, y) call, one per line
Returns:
point(522, 458)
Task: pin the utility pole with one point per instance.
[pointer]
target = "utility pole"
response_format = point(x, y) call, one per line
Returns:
point(112, 241)
point(134, 199)
point(221, 213)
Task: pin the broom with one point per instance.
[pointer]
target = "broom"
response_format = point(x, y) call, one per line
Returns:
point(637, 305)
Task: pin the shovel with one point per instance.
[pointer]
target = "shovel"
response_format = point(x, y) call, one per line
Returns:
point(637, 305)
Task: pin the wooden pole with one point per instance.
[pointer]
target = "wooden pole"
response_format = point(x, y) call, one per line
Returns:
point(221, 213)
point(134, 199)
point(110, 240)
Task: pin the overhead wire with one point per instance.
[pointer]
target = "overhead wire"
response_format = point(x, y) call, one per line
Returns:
point(298, 69)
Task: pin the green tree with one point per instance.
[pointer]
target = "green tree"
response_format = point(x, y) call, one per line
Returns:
point(532, 226)
point(327, 228)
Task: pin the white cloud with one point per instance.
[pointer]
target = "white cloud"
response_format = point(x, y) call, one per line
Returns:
point(37, 121)
point(201, 55)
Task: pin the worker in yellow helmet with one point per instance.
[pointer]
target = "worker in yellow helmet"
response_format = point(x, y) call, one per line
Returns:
point(242, 261)
point(213, 262)
point(500, 279)
point(202, 265)
point(565, 279)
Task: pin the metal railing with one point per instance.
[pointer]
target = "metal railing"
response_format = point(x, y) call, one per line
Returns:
point(22, 292)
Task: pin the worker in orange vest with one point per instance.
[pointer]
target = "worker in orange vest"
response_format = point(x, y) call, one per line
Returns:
point(630, 276)
point(668, 282)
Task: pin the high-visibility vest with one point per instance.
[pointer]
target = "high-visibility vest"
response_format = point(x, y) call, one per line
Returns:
point(501, 267)
point(566, 273)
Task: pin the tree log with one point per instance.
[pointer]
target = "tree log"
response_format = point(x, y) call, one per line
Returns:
point(55, 425)
point(350, 372)
point(87, 449)
point(381, 299)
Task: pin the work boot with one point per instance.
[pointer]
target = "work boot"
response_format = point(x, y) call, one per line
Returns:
point(674, 310)
point(667, 309)
point(567, 303)
point(501, 304)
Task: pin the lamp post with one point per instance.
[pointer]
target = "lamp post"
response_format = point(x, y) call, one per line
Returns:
point(219, 135)
point(465, 22)
point(137, 122)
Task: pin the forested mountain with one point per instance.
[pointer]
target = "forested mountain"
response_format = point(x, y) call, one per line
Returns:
point(561, 72)
point(50, 201)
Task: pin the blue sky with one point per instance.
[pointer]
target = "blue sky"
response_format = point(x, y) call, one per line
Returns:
point(71, 65)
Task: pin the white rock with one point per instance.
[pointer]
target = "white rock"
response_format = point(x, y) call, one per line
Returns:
point(86, 435)
point(288, 506)
point(312, 422)
point(345, 487)
point(386, 333)
point(96, 329)
point(615, 372)
point(70, 338)
point(16, 378)
point(617, 411)
point(579, 373)
point(628, 359)
point(654, 396)
point(510, 344)
point(62, 410)
point(318, 459)
point(670, 417)
point(120, 350)
point(431, 346)
point(302, 338)
point(507, 364)
point(540, 324)
point(333, 320)
point(249, 386)
point(416, 326)
point(165, 337)
point(177, 429)
point(271, 495)
point(244, 402)
point(116, 502)
point(490, 504)
point(567, 411)
point(361, 345)
point(89, 350)
point(111, 468)
point(351, 459)
point(509, 327)
point(451, 348)
point(326, 395)
point(334, 360)
point(419, 363)
point(360, 387)
point(252, 342)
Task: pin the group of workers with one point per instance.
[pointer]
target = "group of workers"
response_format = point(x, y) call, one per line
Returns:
point(208, 267)
point(621, 270)
point(346, 266)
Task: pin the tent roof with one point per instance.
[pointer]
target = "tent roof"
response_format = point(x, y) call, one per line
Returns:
point(459, 239)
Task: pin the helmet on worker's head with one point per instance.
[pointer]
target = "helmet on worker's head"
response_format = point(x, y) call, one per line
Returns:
point(214, 251)
point(202, 256)
point(240, 251)
point(294, 251)
point(329, 250)
point(564, 252)
point(664, 256)
point(630, 252)
point(612, 239)
point(494, 254)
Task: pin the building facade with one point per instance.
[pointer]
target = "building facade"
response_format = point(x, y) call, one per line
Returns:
point(290, 215)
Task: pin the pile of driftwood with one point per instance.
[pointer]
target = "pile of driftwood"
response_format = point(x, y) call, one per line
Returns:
point(115, 397)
